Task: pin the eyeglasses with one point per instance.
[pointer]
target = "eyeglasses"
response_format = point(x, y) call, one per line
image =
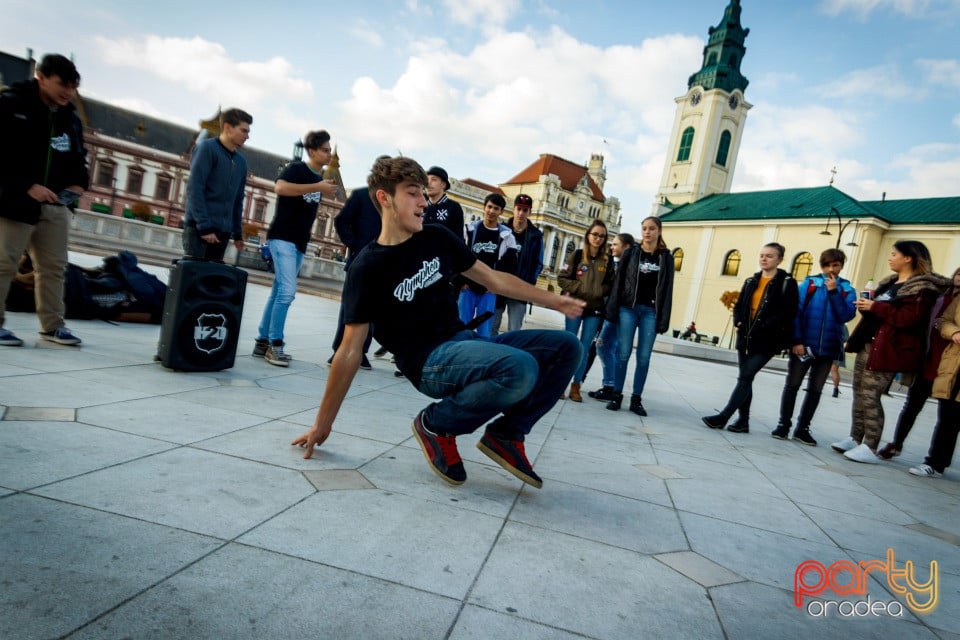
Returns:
point(602, 236)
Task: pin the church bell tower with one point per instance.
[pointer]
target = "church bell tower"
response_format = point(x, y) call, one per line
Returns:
point(709, 120)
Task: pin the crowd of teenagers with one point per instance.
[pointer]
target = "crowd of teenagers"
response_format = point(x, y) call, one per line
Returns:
point(909, 326)
point(433, 290)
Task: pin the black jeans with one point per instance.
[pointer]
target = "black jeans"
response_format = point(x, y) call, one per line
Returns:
point(917, 396)
point(819, 369)
point(742, 395)
point(944, 439)
point(196, 247)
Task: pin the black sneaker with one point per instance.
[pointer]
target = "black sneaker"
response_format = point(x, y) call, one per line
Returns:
point(603, 393)
point(742, 425)
point(365, 364)
point(441, 452)
point(61, 335)
point(782, 432)
point(510, 455)
point(714, 422)
point(380, 353)
point(636, 406)
point(260, 347)
point(803, 435)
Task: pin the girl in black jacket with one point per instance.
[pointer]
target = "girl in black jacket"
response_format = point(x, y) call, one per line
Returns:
point(763, 317)
point(640, 303)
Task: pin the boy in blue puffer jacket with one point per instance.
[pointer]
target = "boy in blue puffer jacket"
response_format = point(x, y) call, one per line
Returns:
point(826, 305)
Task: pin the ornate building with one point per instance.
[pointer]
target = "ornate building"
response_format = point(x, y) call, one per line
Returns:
point(716, 235)
point(139, 167)
point(567, 197)
point(709, 120)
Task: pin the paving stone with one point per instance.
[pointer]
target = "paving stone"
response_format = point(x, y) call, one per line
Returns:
point(699, 569)
point(250, 594)
point(64, 565)
point(337, 480)
point(45, 414)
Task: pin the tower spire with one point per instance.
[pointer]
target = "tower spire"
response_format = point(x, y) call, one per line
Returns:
point(723, 53)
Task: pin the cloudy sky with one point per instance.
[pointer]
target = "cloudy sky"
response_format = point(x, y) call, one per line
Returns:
point(482, 87)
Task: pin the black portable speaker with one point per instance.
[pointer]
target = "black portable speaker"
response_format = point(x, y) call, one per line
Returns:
point(201, 316)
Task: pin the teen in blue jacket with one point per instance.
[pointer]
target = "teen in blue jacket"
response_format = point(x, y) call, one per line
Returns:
point(826, 305)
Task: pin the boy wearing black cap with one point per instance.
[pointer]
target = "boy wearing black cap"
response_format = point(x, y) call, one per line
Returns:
point(529, 240)
point(441, 209)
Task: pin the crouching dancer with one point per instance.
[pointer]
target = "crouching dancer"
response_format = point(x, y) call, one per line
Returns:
point(400, 285)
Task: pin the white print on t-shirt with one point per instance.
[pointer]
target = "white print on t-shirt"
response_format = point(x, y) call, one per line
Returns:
point(442, 214)
point(484, 247)
point(60, 143)
point(312, 198)
point(426, 276)
point(649, 267)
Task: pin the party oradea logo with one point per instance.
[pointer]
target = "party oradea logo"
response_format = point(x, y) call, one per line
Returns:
point(844, 578)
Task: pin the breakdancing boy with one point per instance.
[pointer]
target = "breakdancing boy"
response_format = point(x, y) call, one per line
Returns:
point(400, 285)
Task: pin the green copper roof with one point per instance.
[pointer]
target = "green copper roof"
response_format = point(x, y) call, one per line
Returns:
point(814, 202)
point(723, 54)
point(918, 210)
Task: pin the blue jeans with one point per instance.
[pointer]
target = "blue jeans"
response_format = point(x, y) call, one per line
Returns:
point(515, 310)
point(640, 319)
point(520, 374)
point(607, 351)
point(471, 304)
point(587, 326)
point(286, 263)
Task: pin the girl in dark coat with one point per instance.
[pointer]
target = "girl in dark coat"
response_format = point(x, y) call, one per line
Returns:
point(763, 317)
point(640, 304)
point(890, 338)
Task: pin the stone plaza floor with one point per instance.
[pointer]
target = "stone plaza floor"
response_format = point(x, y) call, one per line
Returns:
point(139, 502)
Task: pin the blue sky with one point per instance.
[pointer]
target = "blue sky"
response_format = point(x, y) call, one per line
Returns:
point(482, 87)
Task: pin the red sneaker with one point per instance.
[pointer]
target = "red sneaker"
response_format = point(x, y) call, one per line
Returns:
point(510, 455)
point(441, 452)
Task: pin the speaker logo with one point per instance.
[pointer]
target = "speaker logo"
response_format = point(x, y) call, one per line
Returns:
point(210, 334)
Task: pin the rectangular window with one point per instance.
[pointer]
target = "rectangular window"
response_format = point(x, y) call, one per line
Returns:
point(163, 188)
point(134, 182)
point(259, 211)
point(105, 174)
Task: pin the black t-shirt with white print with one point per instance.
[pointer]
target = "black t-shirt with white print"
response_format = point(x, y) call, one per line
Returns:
point(648, 271)
point(485, 244)
point(296, 214)
point(404, 290)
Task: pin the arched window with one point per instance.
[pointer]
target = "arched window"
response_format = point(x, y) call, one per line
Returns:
point(686, 143)
point(731, 264)
point(802, 266)
point(732, 61)
point(723, 149)
point(712, 59)
point(677, 259)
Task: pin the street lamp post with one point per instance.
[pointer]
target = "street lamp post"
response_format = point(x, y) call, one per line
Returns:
point(842, 226)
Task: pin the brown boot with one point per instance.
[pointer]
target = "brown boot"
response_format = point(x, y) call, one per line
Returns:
point(575, 392)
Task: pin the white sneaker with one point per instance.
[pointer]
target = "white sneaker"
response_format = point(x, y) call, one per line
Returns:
point(862, 453)
point(925, 471)
point(845, 445)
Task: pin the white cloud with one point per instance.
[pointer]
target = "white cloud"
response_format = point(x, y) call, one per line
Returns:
point(956, 121)
point(882, 81)
point(365, 32)
point(863, 8)
point(481, 13)
point(516, 95)
point(206, 68)
point(787, 147)
point(941, 72)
